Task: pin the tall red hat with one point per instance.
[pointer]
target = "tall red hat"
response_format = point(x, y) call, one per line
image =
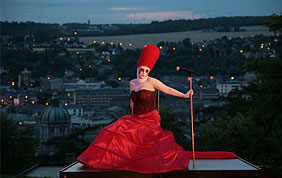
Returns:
point(149, 56)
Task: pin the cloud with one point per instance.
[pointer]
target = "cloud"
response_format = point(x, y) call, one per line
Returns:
point(165, 15)
point(125, 8)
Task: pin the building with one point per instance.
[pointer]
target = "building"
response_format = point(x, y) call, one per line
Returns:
point(208, 94)
point(74, 109)
point(250, 76)
point(15, 98)
point(45, 83)
point(25, 78)
point(83, 84)
point(56, 83)
point(54, 121)
point(98, 97)
point(225, 88)
point(85, 123)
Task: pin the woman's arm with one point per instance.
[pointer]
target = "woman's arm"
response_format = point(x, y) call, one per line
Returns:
point(168, 90)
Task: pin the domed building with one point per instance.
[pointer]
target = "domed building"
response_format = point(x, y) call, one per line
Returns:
point(54, 121)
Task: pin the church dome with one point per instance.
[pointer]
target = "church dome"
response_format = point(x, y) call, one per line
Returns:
point(55, 114)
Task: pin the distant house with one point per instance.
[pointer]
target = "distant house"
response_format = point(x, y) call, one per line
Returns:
point(68, 73)
point(226, 87)
point(56, 83)
point(83, 84)
point(208, 93)
point(250, 76)
point(98, 97)
point(74, 109)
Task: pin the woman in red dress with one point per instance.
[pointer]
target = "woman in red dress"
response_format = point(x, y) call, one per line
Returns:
point(136, 142)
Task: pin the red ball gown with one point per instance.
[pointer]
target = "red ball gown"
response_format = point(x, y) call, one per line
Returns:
point(138, 143)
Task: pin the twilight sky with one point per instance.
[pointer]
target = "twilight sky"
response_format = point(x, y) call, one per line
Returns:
point(131, 11)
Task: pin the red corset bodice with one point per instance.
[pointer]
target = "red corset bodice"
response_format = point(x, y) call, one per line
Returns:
point(144, 101)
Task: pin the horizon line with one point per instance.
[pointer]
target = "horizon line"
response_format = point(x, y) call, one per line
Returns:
point(3, 21)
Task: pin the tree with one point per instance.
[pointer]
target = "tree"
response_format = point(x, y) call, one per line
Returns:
point(168, 122)
point(17, 147)
point(73, 143)
point(253, 128)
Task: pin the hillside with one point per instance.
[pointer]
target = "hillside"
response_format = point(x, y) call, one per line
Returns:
point(219, 24)
point(139, 40)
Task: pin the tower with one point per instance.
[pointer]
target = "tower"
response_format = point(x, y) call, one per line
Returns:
point(54, 121)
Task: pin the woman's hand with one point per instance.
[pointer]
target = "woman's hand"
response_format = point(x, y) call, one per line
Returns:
point(189, 93)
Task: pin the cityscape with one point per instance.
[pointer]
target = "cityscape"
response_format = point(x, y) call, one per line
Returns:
point(65, 90)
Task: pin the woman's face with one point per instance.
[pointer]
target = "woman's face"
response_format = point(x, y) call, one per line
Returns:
point(143, 72)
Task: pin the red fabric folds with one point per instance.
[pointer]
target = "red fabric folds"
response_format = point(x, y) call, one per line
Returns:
point(138, 143)
point(135, 143)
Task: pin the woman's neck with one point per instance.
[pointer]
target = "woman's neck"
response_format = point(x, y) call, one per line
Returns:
point(142, 80)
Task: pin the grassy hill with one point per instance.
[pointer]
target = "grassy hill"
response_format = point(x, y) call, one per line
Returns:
point(139, 40)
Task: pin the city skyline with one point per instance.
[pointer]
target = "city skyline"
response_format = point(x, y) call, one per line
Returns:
point(129, 11)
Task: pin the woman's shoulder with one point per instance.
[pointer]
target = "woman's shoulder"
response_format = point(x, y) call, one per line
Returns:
point(152, 79)
point(132, 81)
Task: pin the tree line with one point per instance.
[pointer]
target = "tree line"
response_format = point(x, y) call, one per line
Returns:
point(51, 31)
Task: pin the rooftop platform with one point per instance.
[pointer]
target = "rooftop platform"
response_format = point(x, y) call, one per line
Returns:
point(211, 168)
